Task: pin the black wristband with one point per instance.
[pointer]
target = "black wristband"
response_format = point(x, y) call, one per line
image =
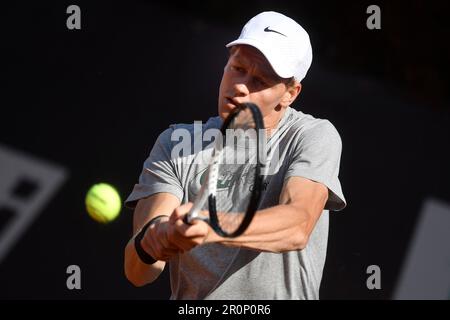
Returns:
point(143, 255)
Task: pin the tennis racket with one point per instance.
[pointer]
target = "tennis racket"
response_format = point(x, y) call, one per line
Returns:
point(231, 190)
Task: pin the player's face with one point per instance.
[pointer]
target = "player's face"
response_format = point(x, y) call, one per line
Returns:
point(248, 77)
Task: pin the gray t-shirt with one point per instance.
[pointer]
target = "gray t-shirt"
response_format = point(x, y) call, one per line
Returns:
point(307, 147)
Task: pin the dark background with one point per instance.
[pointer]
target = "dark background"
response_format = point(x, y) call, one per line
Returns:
point(94, 100)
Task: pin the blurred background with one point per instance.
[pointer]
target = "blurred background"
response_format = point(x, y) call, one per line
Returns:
point(84, 106)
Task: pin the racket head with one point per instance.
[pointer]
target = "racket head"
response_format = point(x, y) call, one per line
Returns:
point(232, 208)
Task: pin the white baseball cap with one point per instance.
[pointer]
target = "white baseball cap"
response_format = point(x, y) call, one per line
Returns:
point(283, 42)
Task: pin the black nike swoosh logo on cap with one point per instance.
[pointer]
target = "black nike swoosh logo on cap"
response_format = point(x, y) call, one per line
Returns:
point(270, 30)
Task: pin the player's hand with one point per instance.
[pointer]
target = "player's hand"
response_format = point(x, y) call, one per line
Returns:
point(155, 241)
point(186, 236)
point(170, 236)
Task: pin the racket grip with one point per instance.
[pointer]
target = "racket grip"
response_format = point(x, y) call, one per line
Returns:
point(186, 219)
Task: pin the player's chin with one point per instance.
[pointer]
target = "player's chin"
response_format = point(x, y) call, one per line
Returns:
point(225, 109)
point(223, 113)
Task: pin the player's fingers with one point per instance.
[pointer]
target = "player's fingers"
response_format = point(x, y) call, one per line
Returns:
point(196, 229)
point(179, 212)
point(156, 244)
point(164, 251)
point(181, 227)
point(187, 243)
point(160, 251)
point(198, 240)
point(168, 246)
point(176, 240)
point(181, 243)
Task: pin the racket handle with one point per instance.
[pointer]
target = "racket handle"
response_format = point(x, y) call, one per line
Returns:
point(186, 219)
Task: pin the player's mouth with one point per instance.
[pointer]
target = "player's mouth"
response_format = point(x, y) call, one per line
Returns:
point(231, 103)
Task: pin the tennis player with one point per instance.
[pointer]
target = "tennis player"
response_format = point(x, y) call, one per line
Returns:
point(282, 253)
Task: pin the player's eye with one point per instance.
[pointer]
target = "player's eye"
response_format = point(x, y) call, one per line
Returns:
point(261, 82)
point(238, 69)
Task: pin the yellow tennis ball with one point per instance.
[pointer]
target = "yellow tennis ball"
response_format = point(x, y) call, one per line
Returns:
point(103, 202)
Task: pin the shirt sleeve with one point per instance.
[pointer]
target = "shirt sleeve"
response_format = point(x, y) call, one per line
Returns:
point(317, 157)
point(158, 174)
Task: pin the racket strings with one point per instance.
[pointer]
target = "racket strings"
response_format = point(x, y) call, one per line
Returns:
point(244, 120)
point(235, 176)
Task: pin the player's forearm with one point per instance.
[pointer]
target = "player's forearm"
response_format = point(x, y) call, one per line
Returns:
point(137, 272)
point(277, 229)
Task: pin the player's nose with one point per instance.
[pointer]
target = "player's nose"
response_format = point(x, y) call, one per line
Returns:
point(241, 90)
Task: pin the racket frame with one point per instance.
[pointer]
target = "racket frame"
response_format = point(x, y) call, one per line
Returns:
point(208, 189)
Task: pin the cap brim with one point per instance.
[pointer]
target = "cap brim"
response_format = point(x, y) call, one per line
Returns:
point(269, 54)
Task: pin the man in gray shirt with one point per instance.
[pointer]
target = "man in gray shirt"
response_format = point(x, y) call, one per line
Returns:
point(282, 253)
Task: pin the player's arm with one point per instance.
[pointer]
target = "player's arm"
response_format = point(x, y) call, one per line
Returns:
point(286, 226)
point(136, 271)
point(165, 238)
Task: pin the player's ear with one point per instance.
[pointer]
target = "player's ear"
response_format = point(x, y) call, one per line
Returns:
point(292, 92)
